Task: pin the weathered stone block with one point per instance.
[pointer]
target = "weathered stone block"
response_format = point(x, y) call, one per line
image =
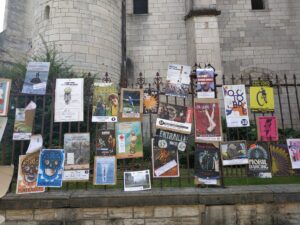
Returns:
point(143, 212)
point(19, 215)
point(163, 211)
point(92, 213)
point(120, 213)
point(134, 222)
point(181, 211)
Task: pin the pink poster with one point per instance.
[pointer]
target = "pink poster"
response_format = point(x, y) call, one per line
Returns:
point(267, 128)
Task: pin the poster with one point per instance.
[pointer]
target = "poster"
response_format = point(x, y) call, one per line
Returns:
point(35, 145)
point(105, 103)
point(261, 99)
point(174, 118)
point(5, 85)
point(207, 164)
point(294, 152)
point(207, 120)
point(105, 142)
point(131, 107)
point(24, 122)
point(234, 153)
point(6, 175)
point(178, 80)
point(236, 108)
point(281, 163)
point(36, 78)
point(205, 83)
point(77, 157)
point(69, 100)
point(267, 128)
point(129, 140)
point(164, 160)
point(28, 173)
point(105, 170)
point(51, 167)
point(137, 180)
point(259, 160)
point(172, 140)
point(151, 97)
point(3, 122)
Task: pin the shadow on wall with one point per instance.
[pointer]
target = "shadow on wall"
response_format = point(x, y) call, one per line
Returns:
point(130, 71)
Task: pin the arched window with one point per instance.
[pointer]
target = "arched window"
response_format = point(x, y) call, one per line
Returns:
point(2, 15)
point(47, 12)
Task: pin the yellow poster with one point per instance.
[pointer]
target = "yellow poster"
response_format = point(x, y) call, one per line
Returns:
point(261, 99)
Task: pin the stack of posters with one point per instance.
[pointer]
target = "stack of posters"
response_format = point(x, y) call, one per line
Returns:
point(151, 97)
point(205, 83)
point(281, 164)
point(261, 97)
point(172, 140)
point(137, 180)
point(267, 128)
point(105, 170)
point(5, 85)
point(131, 108)
point(105, 142)
point(234, 153)
point(294, 151)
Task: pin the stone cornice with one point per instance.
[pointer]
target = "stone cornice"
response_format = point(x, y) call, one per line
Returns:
point(202, 12)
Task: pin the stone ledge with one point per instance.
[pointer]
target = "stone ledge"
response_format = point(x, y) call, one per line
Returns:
point(179, 196)
point(202, 12)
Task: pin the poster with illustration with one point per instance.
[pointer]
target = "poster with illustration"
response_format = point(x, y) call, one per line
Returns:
point(294, 152)
point(236, 108)
point(3, 122)
point(174, 118)
point(172, 140)
point(281, 163)
point(178, 80)
point(234, 153)
point(28, 173)
point(51, 168)
point(129, 140)
point(164, 160)
point(261, 97)
point(207, 120)
point(207, 164)
point(151, 97)
point(105, 170)
point(205, 83)
point(259, 160)
point(69, 100)
point(131, 107)
point(5, 85)
point(105, 103)
point(77, 157)
point(105, 142)
point(36, 78)
point(267, 129)
point(137, 180)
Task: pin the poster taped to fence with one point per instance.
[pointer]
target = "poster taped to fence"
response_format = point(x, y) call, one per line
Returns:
point(207, 164)
point(236, 108)
point(105, 103)
point(259, 160)
point(24, 122)
point(131, 107)
point(105, 170)
point(28, 173)
point(178, 80)
point(6, 175)
point(294, 151)
point(205, 83)
point(151, 97)
point(207, 120)
point(172, 140)
point(234, 153)
point(5, 85)
point(137, 180)
point(175, 118)
point(262, 99)
point(164, 160)
point(281, 163)
point(105, 142)
point(69, 100)
point(35, 145)
point(51, 168)
point(3, 122)
point(129, 140)
point(36, 78)
point(267, 129)
point(77, 157)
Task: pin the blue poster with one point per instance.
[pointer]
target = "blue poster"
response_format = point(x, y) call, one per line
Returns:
point(105, 170)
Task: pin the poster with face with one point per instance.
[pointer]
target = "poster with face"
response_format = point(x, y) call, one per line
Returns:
point(105, 170)
point(5, 85)
point(236, 109)
point(267, 128)
point(28, 173)
point(105, 142)
point(3, 122)
point(131, 107)
point(105, 103)
point(51, 167)
point(207, 120)
point(261, 99)
point(137, 180)
point(234, 153)
point(205, 83)
point(281, 164)
point(294, 151)
point(171, 140)
point(151, 97)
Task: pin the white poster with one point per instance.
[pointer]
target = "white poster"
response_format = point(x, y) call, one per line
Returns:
point(294, 152)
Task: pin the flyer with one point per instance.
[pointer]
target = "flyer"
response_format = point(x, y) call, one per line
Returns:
point(267, 128)
point(294, 152)
point(3, 122)
point(172, 140)
point(262, 99)
point(105, 170)
point(236, 108)
point(234, 153)
point(281, 163)
point(69, 100)
point(35, 145)
point(5, 85)
point(105, 142)
point(137, 180)
point(205, 83)
point(151, 97)
point(131, 107)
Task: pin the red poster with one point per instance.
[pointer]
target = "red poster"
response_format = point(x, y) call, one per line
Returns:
point(267, 128)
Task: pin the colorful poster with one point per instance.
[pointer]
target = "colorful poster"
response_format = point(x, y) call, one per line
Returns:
point(69, 100)
point(5, 85)
point(178, 80)
point(129, 140)
point(207, 120)
point(259, 160)
point(205, 83)
point(137, 181)
point(36, 78)
point(51, 168)
point(24, 122)
point(164, 160)
point(281, 164)
point(174, 118)
point(131, 104)
point(234, 153)
point(172, 140)
point(3, 122)
point(207, 164)
point(236, 109)
point(294, 151)
point(105, 142)
point(151, 97)
point(105, 103)
point(262, 99)
point(77, 157)
point(267, 128)
point(28, 173)
point(105, 170)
